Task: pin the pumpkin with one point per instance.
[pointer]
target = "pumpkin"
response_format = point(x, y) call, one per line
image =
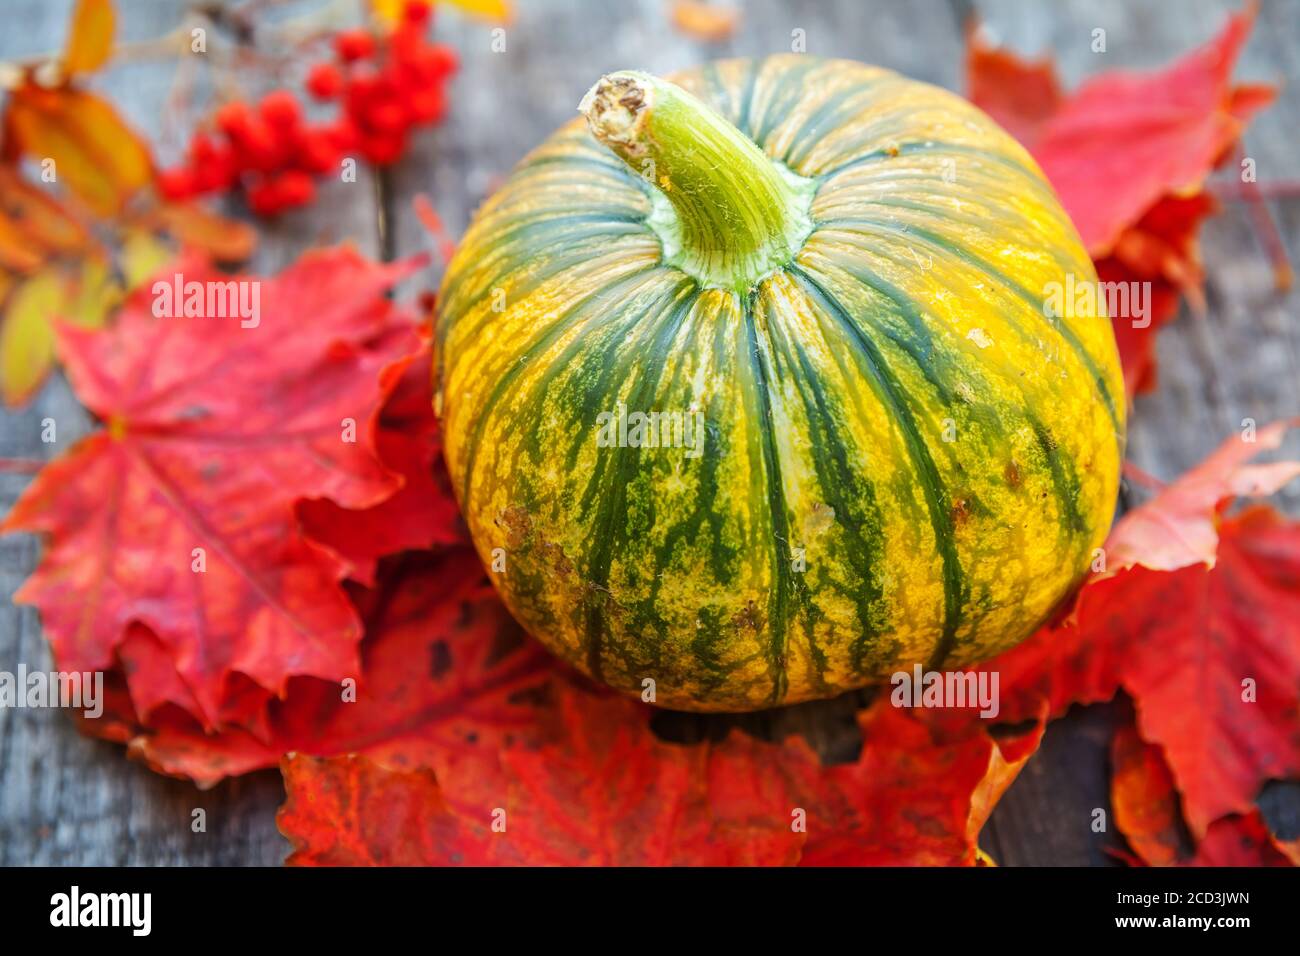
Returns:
point(749, 390)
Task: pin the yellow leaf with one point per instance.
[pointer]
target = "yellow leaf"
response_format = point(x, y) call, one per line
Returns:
point(389, 12)
point(225, 240)
point(95, 154)
point(90, 41)
point(143, 256)
point(705, 21)
point(27, 336)
point(43, 222)
point(502, 10)
point(95, 293)
point(17, 252)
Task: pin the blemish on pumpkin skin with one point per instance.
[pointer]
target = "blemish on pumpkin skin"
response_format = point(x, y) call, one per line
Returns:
point(556, 558)
point(602, 598)
point(1012, 474)
point(749, 617)
point(519, 530)
point(959, 512)
point(518, 524)
point(819, 520)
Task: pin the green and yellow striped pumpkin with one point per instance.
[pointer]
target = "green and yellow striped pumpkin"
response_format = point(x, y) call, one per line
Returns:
point(841, 275)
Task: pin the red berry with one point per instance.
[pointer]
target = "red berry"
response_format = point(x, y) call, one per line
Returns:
point(383, 149)
point(442, 59)
point(294, 188)
point(263, 198)
point(176, 184)
point(270, 195)
point(280, 109)
point(362, 87)
point(202, 149)
point(259, 146)
point(325, 81)
point(417, 12)
point(407, 44)
point(205, 158)
point(233, 118)
point(213, 164)
point(387, 115)
point(427, 104)
point(317, 152)
point(241, 162)
point(343, 134)
point(353, 45)
point(379, 104)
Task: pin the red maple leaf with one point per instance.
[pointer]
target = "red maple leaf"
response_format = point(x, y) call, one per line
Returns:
point(1144, 800)
point(446, 676)
point(1128, 153)
point(423, 513)
point(602, 789)
point(594, 786)
point(179, 514)
point(1211, 658)
point(352, 811)
point(1159, 250)
point(1022, 95)
point(606, 792)
point(1179, 526)
point(1147, 812)
point(917, 795)
point(1123, 141)
point(1244, 840)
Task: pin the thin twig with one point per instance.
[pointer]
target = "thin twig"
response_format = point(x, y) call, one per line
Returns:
point(1261, 221)
point(383, 180)
point(1251, 192)
point(20, 466)
point(13, 72)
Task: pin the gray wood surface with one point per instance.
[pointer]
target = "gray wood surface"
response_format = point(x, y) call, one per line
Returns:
point(68, 800)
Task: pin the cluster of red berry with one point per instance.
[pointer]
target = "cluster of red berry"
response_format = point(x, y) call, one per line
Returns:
point(385, 88)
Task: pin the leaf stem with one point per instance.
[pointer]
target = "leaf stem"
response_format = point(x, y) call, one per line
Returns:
point(1266, 231)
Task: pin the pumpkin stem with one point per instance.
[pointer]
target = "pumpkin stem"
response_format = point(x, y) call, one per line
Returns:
point(732, 215)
